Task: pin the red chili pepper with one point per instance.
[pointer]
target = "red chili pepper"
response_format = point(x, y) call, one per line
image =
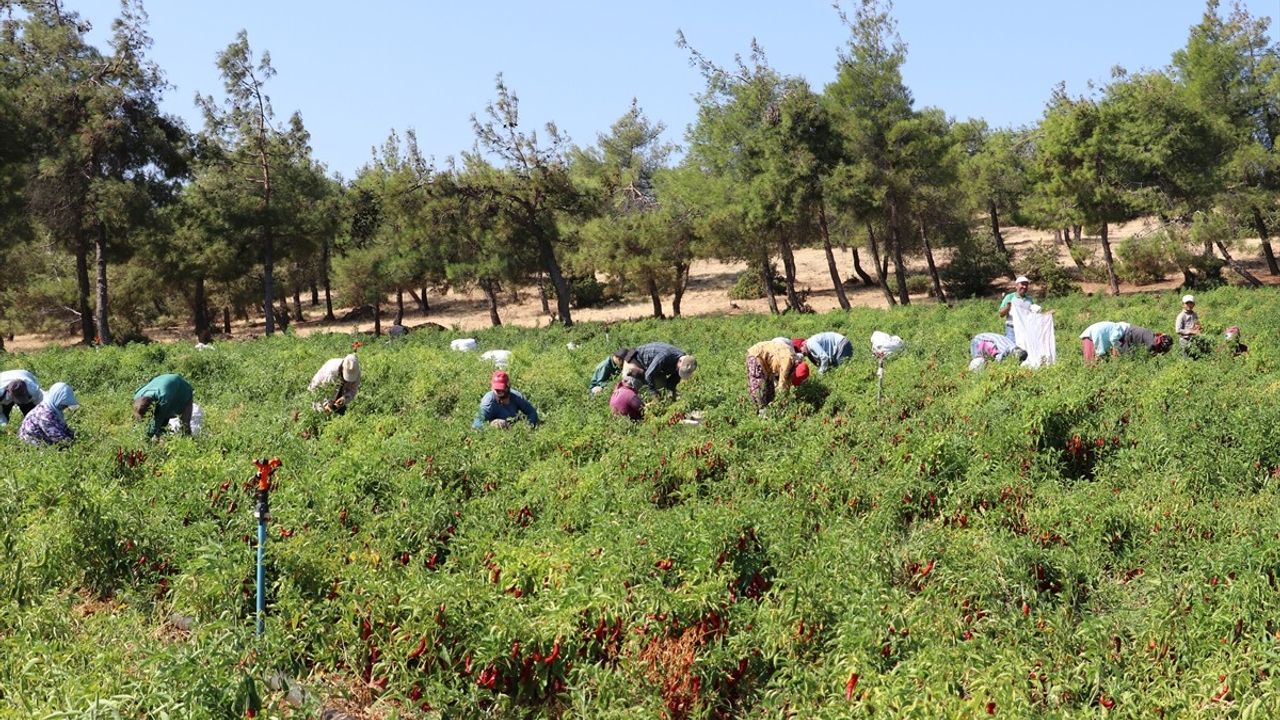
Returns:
point(421, 648)
point(555, 652)
point(849, 686)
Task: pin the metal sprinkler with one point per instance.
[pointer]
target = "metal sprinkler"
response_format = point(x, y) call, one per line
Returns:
point(266, 468)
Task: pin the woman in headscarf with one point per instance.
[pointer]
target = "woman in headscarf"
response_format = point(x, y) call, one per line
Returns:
point(344, 373)
point(770, 364)
point(46, 424)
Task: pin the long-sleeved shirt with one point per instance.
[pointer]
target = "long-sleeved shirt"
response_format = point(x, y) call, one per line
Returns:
point(1105, 335)
point(7, 378)
point(605, 371)
point(990, 346)
point(344, 372)
point(777, 359)
point(1186, 323)
point(171, 394)
point(491, 409)
point(44, 426)
point(659, 361)
point(625, 401)
point(828, 349)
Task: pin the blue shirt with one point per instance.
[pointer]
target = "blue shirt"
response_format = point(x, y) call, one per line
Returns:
point(828, 349)
point(1105, 335)
point(491, 409)
point(990, 345)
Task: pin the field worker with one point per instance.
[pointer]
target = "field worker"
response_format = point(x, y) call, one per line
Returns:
point(662, 366)
point(609, 368)
point(1136, 336)
point(1100, 338)
point(1232, 336)
point(171, 396)
point(827, 350)
point(18, 387)
point(625, 401)
point(1187, 325)
point(344, 375)
point(770, 363)
point(1021, 293)
point(990, 346)
point(45, 424)
point(501, 405)
point(397, 330)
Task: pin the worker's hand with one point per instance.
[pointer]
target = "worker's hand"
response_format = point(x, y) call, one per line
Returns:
point(500, 423)
point(339, 403)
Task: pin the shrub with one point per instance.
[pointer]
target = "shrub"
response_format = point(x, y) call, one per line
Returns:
point(1042, 267)
point(1143, 261)
point(749, 287)
point(585, 291)
point(974, 265)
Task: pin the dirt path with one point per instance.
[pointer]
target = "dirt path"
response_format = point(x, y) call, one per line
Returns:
point(708, 294)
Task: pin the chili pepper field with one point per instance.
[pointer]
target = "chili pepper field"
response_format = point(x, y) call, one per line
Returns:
point(1067, 542)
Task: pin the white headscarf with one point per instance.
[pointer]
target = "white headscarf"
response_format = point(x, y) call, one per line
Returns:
point(351, 368)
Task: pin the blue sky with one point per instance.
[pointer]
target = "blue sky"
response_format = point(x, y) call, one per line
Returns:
point(357, 71)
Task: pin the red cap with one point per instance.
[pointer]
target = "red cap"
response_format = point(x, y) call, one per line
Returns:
point(500, 381)
point(798, 344)
point(800, 374)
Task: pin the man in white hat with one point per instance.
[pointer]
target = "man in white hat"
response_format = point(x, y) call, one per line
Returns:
point(1020, 294)
point(1187, 325)
point(342, 373)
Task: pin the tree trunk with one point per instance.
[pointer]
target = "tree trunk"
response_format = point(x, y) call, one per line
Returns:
point(857, 269)
point(226, 321)
point(542, 296)
point(789, 272)
point(426, 305)
point(419, 300)
point(328, 295)
point(1239, 268)
point(995, 233)
point(656, 297)
point(492, 295)
point(831, 257)
point(768, 284)
point(82, 287)
point(315, 292)
point(399, 305)
point(880, 268)
point(1065, 236)
point(557, 281)
point(101, 307)
point(268, 285)
point(1261, 226)
point(1077, 231)
point(1113, 282)
point(200, 313)
point(682, 282)
point(297, 304)
point(899, 265)
point(933, 269)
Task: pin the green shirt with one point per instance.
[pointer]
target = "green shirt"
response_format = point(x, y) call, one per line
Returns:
point(171, 395)
point(1010, 298)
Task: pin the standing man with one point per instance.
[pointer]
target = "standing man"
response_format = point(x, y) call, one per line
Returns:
point(662, 366)
point(171, 396)
point(18, 387)
point(1020, 294)
point(502, 405)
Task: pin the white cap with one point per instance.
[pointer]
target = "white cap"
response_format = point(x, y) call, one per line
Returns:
point(1188, 298)
point(1023, 279)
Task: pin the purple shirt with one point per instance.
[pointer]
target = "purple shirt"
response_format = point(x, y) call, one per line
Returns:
point(625, 401)
point(44, 426)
